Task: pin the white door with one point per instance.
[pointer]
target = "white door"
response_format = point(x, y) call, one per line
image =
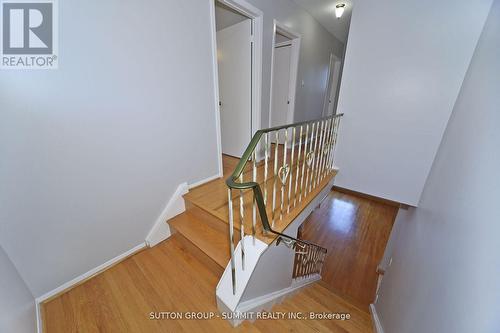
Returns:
point(234, 57)
point(333, 85)
point(280, 109)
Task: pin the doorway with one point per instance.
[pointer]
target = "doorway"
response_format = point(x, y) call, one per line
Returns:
point(330, 104)
point(237, 29)
point(285, 59)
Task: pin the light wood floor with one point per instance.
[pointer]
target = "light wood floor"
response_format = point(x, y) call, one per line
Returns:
point(169, 278)
point(355, 231)
point(181, 273)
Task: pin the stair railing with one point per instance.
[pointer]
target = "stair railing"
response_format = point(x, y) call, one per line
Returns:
point(310, 161)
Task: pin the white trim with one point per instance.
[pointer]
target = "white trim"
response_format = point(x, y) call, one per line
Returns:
point(38, 314)
point(377, 325)
point(328, 87)
point(68, 285)
point(256, 15)
point(203, 181)
point(266, 302)
point(295, 40)
point(215, 75)
point(285, 43)
point(175, 206)
point(90, 273)
point(224, 289)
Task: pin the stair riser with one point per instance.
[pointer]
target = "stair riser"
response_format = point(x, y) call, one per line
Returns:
point(197, 253)
point(202, 215)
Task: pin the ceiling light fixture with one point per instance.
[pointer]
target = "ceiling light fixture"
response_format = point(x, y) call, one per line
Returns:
point(339, 10)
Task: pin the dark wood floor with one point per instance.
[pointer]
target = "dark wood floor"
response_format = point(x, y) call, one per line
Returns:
point(355, 231)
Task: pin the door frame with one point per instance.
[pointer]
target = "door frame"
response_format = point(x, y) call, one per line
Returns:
point(256, 16)
point(294, 67)
point(334, 61)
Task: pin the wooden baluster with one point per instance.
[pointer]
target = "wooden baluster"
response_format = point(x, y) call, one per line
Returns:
point(231, 239)
point(298, 168)
point(291, 169)
point(242, 225)
point(276, 147)
point(304, 165)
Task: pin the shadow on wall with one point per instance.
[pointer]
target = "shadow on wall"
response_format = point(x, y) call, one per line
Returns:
point(17, 305)
point(444, 276)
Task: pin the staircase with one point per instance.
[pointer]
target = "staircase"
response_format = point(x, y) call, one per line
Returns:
point(287, 171)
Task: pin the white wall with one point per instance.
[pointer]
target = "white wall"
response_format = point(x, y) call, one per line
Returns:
point(446, 264)
point(17, 305)
point(405, 62)
point(91, 152)
point(316, 46)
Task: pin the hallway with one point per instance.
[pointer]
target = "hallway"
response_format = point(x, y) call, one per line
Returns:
point(355, 230)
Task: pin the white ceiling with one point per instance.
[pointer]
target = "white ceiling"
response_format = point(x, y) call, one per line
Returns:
point(324, 12)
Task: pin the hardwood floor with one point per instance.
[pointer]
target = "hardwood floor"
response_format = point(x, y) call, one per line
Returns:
point(169, 277)
point(355, 231)
point(181, 273)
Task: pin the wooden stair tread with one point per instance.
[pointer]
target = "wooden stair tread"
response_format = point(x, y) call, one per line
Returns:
point(209, 199)
point(211, 241)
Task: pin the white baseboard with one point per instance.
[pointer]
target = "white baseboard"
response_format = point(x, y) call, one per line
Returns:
point(175, 206)
point(39, 327)
point(90, 273)
point(377, 325)
point(266, 302)
point(79, 279)
point(203, 181)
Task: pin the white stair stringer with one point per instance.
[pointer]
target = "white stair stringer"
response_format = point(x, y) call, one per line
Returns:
point(267, 302)
point(267, 277)
point(224, 290)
